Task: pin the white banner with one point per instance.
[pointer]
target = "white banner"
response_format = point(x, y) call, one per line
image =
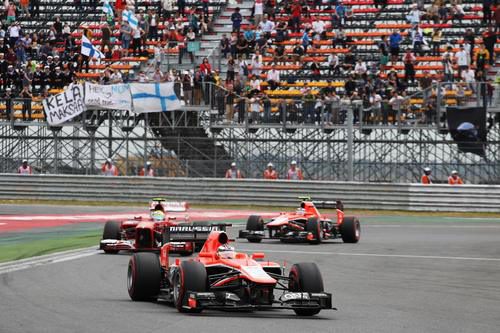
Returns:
point(64, 106)
point(154, 97)
point(114, 96)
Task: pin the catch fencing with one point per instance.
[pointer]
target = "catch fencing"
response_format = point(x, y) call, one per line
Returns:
point(383, 196)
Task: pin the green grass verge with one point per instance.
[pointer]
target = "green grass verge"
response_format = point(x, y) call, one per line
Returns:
point(39, 247)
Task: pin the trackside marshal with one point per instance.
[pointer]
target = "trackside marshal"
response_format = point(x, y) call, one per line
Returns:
point(65, 106)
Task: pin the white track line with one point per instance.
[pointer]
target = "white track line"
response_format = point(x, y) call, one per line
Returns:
point(47, 259)
point(403, 256)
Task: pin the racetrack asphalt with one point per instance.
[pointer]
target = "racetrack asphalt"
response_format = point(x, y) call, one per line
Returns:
point(401, 277)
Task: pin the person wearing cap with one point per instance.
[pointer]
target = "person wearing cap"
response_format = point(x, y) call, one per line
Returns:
point(148, 172)
point(108, 169)
point(233, 172)
point(294, 173)
point(270, 173)
point(25, 169)
point(426, 177)
point(455, 179)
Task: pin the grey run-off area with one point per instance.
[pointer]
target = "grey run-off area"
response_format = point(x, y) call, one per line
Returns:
point(411, 277)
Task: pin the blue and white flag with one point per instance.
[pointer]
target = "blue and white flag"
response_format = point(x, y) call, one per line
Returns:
point(130, 18)
point(154, 97)
point(108, 9)
point(89, 50)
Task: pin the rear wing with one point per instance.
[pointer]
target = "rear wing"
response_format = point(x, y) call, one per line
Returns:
point(329, 204)
point(168, 206)
point(191, 233)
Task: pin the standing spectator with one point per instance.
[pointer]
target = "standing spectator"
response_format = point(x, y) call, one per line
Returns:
point(8, 103)
point(294, 173)
point(418, 40)
point(254, 109)
point(230, 99)
point(233, 172)
point(462, 59)
point(35, 7)
point(148, 172)
point(376, 106)
point(137, 34)
point(296, 14)
point(225, 45)
point(26, 96)
point(414, 15)
point(126, 33)
point(14, 33)
point(236, 18)
point(11, 13)
point(258, 12)
point(409, 60)
point(266, 105)
point(436, 38)
point(270, 173)
point(24, 6)
point(482, 57)
point(205, 67)
point(454, 179)
point(153, 21)
point(448, 69)
point(469, 76)
point(181, 44)
point(470, 38)
point(106, 38)
point(25, 169)
point(396, 103)
point(394, 42)
point(497, 18)
point(426, 177)
point(109, 169)
point(187, 88)
point(489, 40)
point(487, 11)
point(273, 78)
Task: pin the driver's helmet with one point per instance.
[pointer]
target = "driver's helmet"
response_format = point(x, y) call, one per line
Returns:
point(226, 252)
point(300, 211)
point(158, 215)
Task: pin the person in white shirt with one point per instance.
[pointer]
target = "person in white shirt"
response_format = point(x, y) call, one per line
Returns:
point(462, 58)
point(116, 77)
point(254, 109)
point(376, 105)
point(396, 102)
point(469, 76)
point(333, 64)
point(258, 12)
point(257, 63)
point(267, 26)
point(360, 68)
point(318, 25)
point(414, 15)
point(273, 78)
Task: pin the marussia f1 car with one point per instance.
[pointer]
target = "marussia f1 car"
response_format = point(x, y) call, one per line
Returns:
point(139, 234)
point(304, 225)
point(220, 278)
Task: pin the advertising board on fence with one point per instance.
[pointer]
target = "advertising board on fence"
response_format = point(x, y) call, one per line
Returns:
point(64, 106)
point(114, 97)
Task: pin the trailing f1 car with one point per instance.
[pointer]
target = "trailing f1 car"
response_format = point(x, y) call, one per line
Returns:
point(306, 224)
point(220, 278)
point(140, 234)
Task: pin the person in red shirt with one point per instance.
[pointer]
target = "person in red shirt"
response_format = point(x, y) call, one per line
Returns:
point(454, 179)
point(296, 13)
point(426, 177)
point(270, 173)
point(205, 67)
point(24, 169)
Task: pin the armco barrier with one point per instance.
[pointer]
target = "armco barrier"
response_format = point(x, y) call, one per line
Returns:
point(477, 198)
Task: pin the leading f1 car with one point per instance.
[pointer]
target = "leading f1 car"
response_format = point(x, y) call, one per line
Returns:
point(220, 278)
point(306, 224)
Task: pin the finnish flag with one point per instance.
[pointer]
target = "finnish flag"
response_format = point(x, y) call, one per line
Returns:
point(154, 97)
point(107, 9)
point(130, 18)
point(89, 50)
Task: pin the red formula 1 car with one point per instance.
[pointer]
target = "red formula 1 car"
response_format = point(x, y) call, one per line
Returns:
point(140, 234)
point(220, 278)
point(306, 224)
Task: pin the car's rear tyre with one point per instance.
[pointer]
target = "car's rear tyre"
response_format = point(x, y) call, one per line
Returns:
point(350, 230)
point(305, 277)
point(144, 277)
point(314, 227)
point(112, 230)
point(255, 223)
point(191, 276)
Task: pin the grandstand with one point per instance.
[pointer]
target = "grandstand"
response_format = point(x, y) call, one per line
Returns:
point(282, 89)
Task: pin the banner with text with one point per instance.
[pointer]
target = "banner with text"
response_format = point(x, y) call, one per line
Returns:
point(154, 97)
point(64, 106)
point(114, 96)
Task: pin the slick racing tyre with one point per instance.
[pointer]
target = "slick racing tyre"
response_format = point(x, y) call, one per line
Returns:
point(255, 223)
point(112, 230)
point(305, 277)
point(350, 230)
point(314, 227)
point(144, 276)
point(191, 276)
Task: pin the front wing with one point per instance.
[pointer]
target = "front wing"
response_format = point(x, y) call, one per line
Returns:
point(223, 300)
